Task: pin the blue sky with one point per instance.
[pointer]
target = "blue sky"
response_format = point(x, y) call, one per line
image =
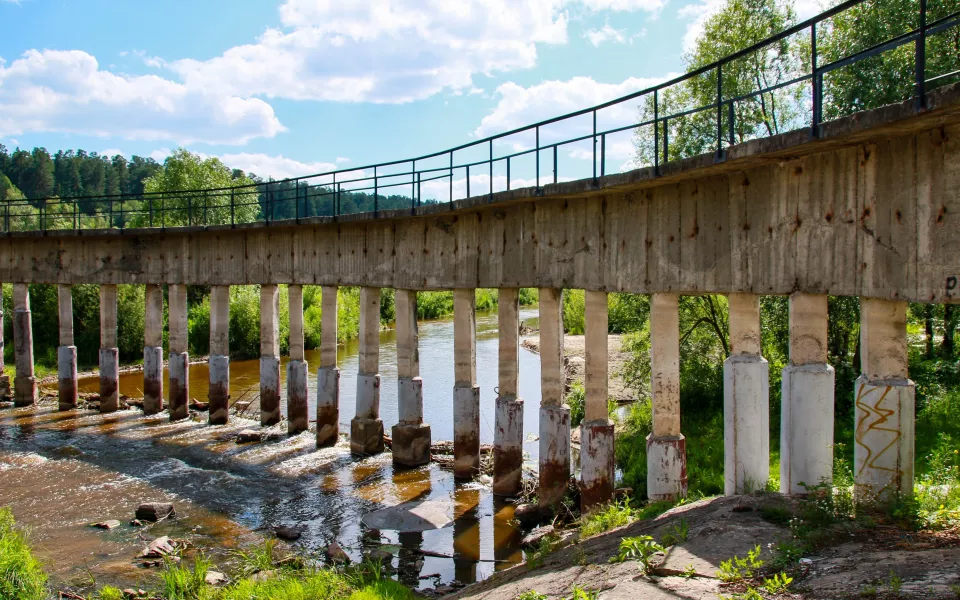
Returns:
point(292, 87)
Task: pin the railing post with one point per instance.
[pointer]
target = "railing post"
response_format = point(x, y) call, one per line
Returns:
point(75, 211)
point(921, 58)
point(376, 197)
point(720, 110)
point(508, 173)
point(451, 178)
point(110, 224)
point(43, 225)
point(603, 154)
point(336, 196)
point(468, 181)
point(556, 167)
point(666, 140)
point(121, 213)
point(815, 92)
point(189, 209)
point(297, 199)
point(656, 132)
point(731, 116)
point(205, 203)
point(419, 191)
point(233, 212)
point(150, 204)
point(594, 144)
point(491, 169)
point(538, 156)
point(413, 187)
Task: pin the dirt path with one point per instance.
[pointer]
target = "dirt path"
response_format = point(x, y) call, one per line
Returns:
point(575, 354)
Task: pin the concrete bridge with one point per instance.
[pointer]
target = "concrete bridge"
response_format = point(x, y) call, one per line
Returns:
point(870, 208)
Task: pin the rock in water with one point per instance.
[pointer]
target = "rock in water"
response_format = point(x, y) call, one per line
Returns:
point(528, 515)
point(532, 539)
point(215, 578)
point(158, 548)
point(335, 554)
point(154, 511)
point(111, 524)
point(380, 556)
point(288, 532)
point(249, 435)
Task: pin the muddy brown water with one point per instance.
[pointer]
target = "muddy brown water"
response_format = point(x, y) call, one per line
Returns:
point(60, 471)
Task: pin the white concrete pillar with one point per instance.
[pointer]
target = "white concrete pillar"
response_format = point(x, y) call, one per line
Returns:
point(24, 382)
point(4, 378)
point(109, 353)
point(411, 436)
point(297, 412)
point(883, 452)
point(366, 428)
point(466, 392)
point(153, 350)
point(178, 369)
point(597, 464)
point(328, 375)
point(666, 446)
point(269, 355)
point(67, 390)
point(554, 414)
point(746, 401)
point(806, 414)
point(508, 425)
point(219, 392)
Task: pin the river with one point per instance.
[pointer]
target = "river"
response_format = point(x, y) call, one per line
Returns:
point(61, 471)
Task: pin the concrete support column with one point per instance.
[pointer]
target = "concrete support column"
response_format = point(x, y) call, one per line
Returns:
point(596, 432)
point(219, 394)
point(269, 355)
point(366, 428)
point(178, 362)
point(666, 446)
point(746, 401)
point(109, 353)
point(508, 426)
point(883, 451)
point(297, 414)
point(328, 375)
point(4, 379)
point(411, 436)
point(153, 350)
point(67, 390)
point(554, 414)
point(806, 414)
point(24, 382)
point(466, 392)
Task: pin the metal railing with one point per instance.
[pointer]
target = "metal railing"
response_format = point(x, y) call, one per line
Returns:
point(375, 186)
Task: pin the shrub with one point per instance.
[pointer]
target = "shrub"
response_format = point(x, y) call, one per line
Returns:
point(577, 401)
point(611, 516)
point(641, 549)
point(21, 577)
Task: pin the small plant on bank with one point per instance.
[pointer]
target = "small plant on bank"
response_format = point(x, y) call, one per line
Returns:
point(777, 584)
point(110, 593)
point(641, 549)
point(546, 546)
point(611, 516)
point(955, 588)
point(869, 592)
point(257, 558)
point(739, 569)
point(183, 583)
point(581, 594)
point(690, 572)
point(678, 533)
point(896, 584)
point(532, 595)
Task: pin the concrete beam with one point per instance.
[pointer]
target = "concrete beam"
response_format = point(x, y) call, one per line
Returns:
point(885, 400)
point(554, 467)
point(297, 412)
point(746, 397)
point(269, 355)
point(666, 446)
point(219, 392)
point(67, 391)
point(366, 428)
point(24, 383)
point(466, 392)
point(328, 375)
point(178, 365)
point(806, 414)
point(109, 353)
point(508, 424)
point(411, 436)
point(153, 350)
point(596, 431)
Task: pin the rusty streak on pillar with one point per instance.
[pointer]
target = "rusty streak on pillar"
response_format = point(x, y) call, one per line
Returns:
point(666, 446)
point(153, 350)
point(109, 354)
point(466, 392)
point(328, 375)
point(883, 454)
point(596, 434)
point(219, 394)
point(554, 414)
point(411, 436)
point(24, 382)
point(508, 427)
point(297, 412)
point(67, 391)
point(269, 355)
point(179, 359)
point(366, 428)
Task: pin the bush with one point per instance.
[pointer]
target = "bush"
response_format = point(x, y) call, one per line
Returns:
point(611, 516)
point(21, 577)
point(577, 401)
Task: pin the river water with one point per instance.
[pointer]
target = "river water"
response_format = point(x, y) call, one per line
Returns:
point(60, 471)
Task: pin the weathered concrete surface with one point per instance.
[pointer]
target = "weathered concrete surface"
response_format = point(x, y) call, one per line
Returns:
point(153, 350)
point(178, 368)
point(4, 378)
point(411, 444)
point(666, 467)
point(866, 210)
point(666, 448)
point(508, 420)
point(219, 391)
point(554, 454)
point(328, 406)
point(269, 390)
point(411, 436)
point(67, 389)
point(466, 392)
point(366, 428)
point(597, 464)
point(269, 355)
point(109, 353)
point(297, 393)
point(24, 381)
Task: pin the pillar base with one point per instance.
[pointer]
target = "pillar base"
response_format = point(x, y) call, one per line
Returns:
point(298, 419)
point(554, 454)
point(178, 367)
point(411, 444)
point(5, 391)
point(366, 436)
point(368, 396)
point(328, 406)
point(806, 427)
point(68, 394)
point(883, 452)
point(152, 380)
point(508, 447)
point(24, 391)
point(466, 431)
point(410, 399)
point(746, 424)
point(597, 465)
point(219, 394)
point(666, 467)
point(269, 390)
point(109, 380)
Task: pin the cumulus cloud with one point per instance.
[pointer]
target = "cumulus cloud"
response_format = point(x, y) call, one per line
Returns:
point(276, 167)
point(68, 92)
point(606, 34)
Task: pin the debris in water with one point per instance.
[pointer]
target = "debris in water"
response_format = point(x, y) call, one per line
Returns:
point(288, 532)
point(109, 524)
point(336, 554)
point(155, 511)
point(158, 548)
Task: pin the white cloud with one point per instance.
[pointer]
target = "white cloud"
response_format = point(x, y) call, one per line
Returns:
point(808, 8)
point(276, 167)
point(479, 184)
point(606, 34)
point(67, 92)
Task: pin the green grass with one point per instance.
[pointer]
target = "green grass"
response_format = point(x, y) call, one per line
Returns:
point(611, 516)
point(21, 576)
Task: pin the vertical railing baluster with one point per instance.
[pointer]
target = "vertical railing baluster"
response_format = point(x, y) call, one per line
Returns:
point(419, 191)
point(508, 173)
point(666, 140)
point(921, 58)
point(656, 132)
point(468, 181)
point(603, 154)
point(538, 155)
point(110, 223)
point(730, 117)
point(150, 205)
point(556, 166)
point(376, 197)
point(336, 196)
point(594, 144)
point(720, 110)
point(189, 209)
point(491, 169)
point(451, 178)
point(296, 200)
point(206, 202)
point(815, 88)
point(413, 187)
point(233, 210)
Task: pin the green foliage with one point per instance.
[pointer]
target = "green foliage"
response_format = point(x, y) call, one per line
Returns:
point(610, 516)
point(531, 595)
point(183, 583)
point(257, 558)
point(677, 534)
point(641, 549)
point(896, 584)
point(110, 593)
point(21, 577)
point(738, 569)
point(434, 305)
point(573, 312)
point(777, 584)
point(577, 401)
point(581, 594)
